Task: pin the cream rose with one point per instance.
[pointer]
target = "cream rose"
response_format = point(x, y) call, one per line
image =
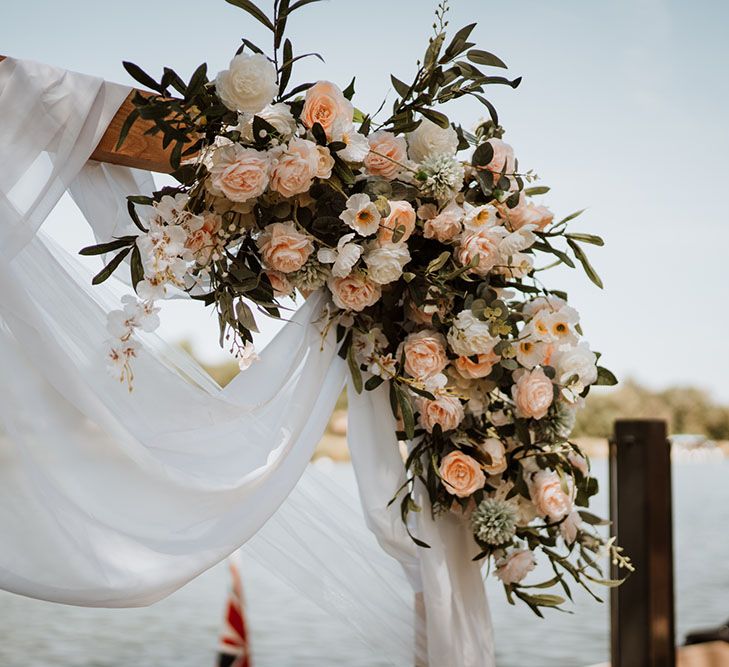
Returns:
point(483, 244)
point(445, 410)
point(325, 104)
point(461, 474)
point(385, 262)
point(278, 115)
point(325, 163)
point(473, 370)
point(249, 83)
point(548, 495)
point(387, 153)
point(354, 292)
point(402, 214)
point(430, 139)
point(283, 247)
point(238, 173)
point(514, 567)
point(446, 225)
point(468, 335)
point(533, 393)
point(425, 354)
point(294, 171)
point(497, 453)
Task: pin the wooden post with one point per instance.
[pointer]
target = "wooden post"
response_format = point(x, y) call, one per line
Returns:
point(642, 610)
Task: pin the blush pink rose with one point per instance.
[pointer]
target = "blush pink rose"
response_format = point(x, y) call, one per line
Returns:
point(325, 104)
point(461, 474)
point(548, 495)
point(472, 370)
point(425, 354)
point(533, 393)
point(389, 153)
point(445, 410)
point(284, 248)
point(238, 173)
point(402, 214)
point(527, 213)
point(204, 240)
point(445, 226)
point(503, 155)
point(280, 283)
point(294, 171)
point(354, 292)
point(483, 244)
point(513, 568)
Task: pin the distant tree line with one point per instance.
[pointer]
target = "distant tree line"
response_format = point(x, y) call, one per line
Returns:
point(687, 410)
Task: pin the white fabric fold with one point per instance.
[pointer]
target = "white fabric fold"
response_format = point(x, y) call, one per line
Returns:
point(118, 499)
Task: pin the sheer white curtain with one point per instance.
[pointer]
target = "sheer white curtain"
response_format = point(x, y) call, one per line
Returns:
point(118, 499)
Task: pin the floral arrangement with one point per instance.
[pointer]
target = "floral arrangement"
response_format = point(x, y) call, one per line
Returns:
point(429, 242)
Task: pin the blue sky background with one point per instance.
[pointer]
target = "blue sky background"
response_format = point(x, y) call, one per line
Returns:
point(623, 109)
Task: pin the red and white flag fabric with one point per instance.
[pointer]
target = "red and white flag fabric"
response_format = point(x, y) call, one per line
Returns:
point(233, 648)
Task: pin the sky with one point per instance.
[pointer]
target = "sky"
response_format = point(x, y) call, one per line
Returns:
point(622, 110)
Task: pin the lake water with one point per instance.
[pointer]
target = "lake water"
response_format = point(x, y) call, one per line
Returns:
point(288, 631)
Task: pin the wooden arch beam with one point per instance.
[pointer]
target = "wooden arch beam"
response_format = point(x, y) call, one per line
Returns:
point(139, 150)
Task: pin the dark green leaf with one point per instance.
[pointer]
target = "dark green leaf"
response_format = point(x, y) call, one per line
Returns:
point(348, 92)
point(485, 58)
point(245, 316)
point(138, 74)
point(401, 88)
point(102, 275)
point(354, 370)
point(254, 11)
point(103, 248)
point(406, 411)
point(586, 238)
point(605, 377)
point(127, 125)
point(437, 117)
point(136, 266)
point(582, 257)
point(536, 190)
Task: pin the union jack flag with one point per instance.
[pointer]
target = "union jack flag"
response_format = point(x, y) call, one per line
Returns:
point(233, 647)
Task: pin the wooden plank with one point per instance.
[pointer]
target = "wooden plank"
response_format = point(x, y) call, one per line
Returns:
point(711, 654)
point(139, 150)
point(642, 609)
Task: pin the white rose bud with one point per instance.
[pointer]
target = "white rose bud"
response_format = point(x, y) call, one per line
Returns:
point(429, 140)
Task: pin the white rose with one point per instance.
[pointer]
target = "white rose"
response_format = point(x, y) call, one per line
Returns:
point(249, 84)
point(577, 362)
point(468, 335)
point(429, 139)
point(385, 262)
point(279, 115)
point(343, 258)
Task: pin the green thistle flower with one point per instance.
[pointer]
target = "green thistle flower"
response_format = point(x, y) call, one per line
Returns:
point(440, 176)
point(494, 522)
point(311, 276)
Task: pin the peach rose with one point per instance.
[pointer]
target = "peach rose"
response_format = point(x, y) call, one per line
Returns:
point(294, 171)
point(280, 283)
point(533, 393)
point(514, 567)
point(548, 495)
point(283, 247)
point(402, 214)
point(473, 370)
point(425, 354)
point(527, 213)
point(202, 241)
point(238, 173)
point(389, 153)
point(325, 104)
point(571, 526)
point(461, 474)
point(497, 452)
point(354, 292)
point(483, 244)
point(445, 410)
point(446, 225)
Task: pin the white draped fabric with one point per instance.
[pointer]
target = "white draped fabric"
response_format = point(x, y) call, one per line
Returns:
point(117, 498)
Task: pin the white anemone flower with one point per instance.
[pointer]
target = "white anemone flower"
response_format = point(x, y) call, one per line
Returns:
point(343, 258)
point(358, 147)
point(361, 215)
